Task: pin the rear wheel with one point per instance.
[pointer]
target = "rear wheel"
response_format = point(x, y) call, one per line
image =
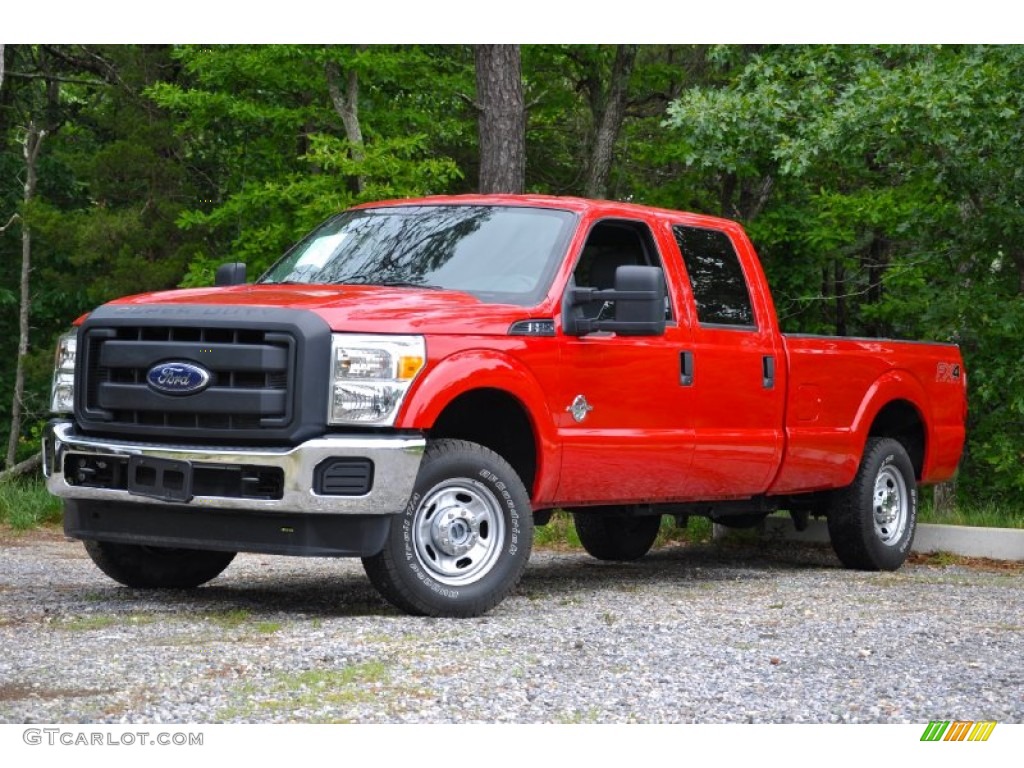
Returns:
point(872, 522)
point(145, 567)
point(616, 534)
point(464, 539)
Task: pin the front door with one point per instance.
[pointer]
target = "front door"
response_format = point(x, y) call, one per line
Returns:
point(626, 417)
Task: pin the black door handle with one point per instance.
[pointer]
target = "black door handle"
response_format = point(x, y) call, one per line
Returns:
point(768, 372)
point(686, 369)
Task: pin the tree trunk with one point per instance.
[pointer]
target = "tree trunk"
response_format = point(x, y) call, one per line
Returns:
point(876, 262)
point(33, 140)
point(502, 119)
point(30, 464)
point(944, 499)
point(840, 296)
point(726, 206)
point(754, 196)
point(1018, 260)
point(609, 122)
point(346, 104)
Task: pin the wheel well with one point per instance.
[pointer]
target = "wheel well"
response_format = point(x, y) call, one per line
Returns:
point(900, 420)
point(496, 420)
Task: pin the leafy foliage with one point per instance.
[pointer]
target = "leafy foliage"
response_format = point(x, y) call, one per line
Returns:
point(259, 121)
point(891, 208)
point(881, 184)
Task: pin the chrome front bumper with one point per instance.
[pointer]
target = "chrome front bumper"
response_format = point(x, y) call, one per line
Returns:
point(396, 461)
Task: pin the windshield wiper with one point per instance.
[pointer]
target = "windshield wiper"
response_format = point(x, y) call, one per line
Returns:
point(360, 281)
point(357, 280)
point(406, 284)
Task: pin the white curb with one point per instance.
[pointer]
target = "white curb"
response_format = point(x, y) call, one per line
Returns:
point(967, 541)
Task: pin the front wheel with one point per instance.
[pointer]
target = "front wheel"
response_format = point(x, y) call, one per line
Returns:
point(464, 539)
point(872, 522)
point(145, 567)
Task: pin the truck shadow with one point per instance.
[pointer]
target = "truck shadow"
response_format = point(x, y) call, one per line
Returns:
point(563, 574)
point(291, 588)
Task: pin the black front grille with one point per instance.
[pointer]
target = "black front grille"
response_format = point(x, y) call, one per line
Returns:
point(249, 377)
point(252, 355)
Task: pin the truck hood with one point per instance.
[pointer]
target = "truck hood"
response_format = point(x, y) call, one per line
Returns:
point(359, 308)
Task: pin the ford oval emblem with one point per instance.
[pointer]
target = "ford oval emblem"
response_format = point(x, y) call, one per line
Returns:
point(178, 378)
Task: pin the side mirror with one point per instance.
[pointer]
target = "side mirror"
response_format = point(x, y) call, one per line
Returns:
point(639, 297)
point(232, 273)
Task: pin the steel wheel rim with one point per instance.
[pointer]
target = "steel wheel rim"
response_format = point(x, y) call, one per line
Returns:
point(458, 532)
point(890, 506)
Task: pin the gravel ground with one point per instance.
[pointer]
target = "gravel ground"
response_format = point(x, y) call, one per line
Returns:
point(705, 634)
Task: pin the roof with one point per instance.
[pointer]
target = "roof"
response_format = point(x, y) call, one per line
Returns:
point(579, 205)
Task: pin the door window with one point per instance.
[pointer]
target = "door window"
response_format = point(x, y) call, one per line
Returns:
point(610, 245)
point(716, 277)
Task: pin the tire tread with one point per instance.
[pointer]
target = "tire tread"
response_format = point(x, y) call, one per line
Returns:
point(383, 569)
point(850, 521)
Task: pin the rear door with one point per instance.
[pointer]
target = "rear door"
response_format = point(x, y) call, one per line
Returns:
point(737, 367)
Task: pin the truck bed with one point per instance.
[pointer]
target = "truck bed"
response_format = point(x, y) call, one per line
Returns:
point(837, 385)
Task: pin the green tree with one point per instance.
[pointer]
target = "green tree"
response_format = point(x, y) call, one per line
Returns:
point(110, 187)
point(283, 136)
point(879, 184)
point(34, 115)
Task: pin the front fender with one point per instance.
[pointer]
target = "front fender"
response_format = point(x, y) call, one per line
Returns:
point(477, 369)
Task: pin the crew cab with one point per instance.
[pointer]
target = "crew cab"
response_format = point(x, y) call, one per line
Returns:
point(419, 383)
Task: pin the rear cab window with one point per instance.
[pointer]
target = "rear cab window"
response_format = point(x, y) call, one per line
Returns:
point(719, 286)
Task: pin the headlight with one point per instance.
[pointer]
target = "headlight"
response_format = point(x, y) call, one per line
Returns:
point(370, 376)
point(62, 393)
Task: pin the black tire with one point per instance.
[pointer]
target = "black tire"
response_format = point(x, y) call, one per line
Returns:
point(464, 539)
point(872, 522)
point(614, 534)
point(144, 567)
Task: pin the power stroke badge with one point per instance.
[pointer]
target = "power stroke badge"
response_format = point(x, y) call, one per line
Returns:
point(580, 408)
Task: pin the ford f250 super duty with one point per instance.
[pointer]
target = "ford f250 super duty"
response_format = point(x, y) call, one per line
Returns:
point(420, 382)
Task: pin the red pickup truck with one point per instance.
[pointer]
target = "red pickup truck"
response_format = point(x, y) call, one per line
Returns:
point(420, 382)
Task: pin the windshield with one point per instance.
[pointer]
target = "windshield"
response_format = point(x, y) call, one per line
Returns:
point(498, 254)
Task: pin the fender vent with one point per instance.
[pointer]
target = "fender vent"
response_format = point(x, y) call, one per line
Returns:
point(343, 477)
